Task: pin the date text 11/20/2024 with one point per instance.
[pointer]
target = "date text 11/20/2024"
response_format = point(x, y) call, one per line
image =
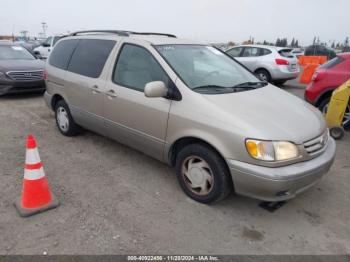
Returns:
point(173, 258)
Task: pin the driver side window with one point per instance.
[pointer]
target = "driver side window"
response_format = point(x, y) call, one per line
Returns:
point(136, 67)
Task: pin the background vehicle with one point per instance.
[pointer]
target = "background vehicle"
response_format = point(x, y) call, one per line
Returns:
point(192, 106)
point(20, 71)
point(320, 50)
point(45, 48)
point(328, 77)
point(297, 52)
point(272, 64)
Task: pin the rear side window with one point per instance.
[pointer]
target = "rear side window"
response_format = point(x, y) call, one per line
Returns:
point(250, 52)
point(332, 63)
point(62, 53)
point(90, 57)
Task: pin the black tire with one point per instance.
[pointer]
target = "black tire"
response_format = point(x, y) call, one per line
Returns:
point(222, 184)
point(322, 107)
point(263, 75)
point(280, 82)
point(337, 132)
point(72, 128)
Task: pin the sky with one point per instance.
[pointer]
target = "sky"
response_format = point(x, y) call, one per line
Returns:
point(205, 20)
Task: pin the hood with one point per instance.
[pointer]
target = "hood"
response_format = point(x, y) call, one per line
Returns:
point(269, 113)
point(21, 65)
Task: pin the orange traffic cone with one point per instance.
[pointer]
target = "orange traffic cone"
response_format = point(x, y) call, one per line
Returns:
point(36, 194)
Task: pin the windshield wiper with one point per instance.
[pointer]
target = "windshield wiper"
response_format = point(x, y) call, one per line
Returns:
point(252, 85)
point(230, 89)
point(206, 87)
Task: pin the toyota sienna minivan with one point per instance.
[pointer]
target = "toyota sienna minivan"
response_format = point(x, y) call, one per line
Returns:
point(193, 107)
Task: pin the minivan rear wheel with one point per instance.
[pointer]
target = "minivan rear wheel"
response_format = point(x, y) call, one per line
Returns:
point(64, 120)
point(203, 174)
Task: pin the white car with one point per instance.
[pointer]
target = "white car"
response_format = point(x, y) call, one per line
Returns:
point(46, 47)
point(270, 63)
point(297, 52)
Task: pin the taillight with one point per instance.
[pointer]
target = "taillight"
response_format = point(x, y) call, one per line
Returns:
point(45, 74)
point(318, 75)
point(281, 61)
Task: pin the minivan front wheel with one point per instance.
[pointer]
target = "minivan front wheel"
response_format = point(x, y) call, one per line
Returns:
point(64, 120)
point(203, 174)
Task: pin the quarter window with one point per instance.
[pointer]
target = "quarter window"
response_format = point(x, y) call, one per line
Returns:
point(62, 53)
point(136, 67)
point(265, 51)
point(90, 57)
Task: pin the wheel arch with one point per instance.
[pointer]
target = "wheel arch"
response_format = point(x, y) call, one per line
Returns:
point(325, 94)
point(180, 143)
point(54, 100)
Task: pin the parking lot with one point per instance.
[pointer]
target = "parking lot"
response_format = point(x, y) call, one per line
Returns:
point(116, 200)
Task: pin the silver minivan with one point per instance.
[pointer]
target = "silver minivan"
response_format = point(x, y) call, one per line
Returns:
point(191, 106)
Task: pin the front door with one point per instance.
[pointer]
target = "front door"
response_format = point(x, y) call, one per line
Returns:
point(131, 117)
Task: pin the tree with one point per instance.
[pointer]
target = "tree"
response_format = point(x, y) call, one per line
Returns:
point(292, 44)
point(278, 42)
point(333, 45)
point(231, 43)
point(296, 43)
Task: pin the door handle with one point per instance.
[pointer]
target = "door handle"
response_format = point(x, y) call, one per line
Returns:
point(111, 93)
point(95, 89)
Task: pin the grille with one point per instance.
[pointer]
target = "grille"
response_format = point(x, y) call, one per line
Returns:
point(26, 75)
point(317, 144)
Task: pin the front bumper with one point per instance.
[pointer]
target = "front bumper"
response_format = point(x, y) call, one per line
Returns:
point(15, 87)
point(280, 183)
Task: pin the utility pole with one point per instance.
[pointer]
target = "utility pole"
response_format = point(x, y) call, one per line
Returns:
point(44, 26)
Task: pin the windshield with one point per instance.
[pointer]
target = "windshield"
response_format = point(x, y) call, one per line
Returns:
point(10, 52)
point(204, 67)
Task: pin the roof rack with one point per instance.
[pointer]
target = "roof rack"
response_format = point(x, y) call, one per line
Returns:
point(149, 33)
point(119, 32)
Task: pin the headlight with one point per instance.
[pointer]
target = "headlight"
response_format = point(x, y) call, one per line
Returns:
point(270, 150)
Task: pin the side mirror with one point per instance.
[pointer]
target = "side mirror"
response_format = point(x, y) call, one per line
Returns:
point(45, 45)
point(156, 89)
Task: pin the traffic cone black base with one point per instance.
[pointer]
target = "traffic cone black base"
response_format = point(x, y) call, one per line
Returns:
point(27, 212)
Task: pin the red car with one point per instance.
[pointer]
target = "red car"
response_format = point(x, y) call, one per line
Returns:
point(328, 77)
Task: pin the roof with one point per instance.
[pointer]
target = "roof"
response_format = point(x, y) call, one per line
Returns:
point(151, 38)
point(262, 46)
point(266, 46)
point(346, 55)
